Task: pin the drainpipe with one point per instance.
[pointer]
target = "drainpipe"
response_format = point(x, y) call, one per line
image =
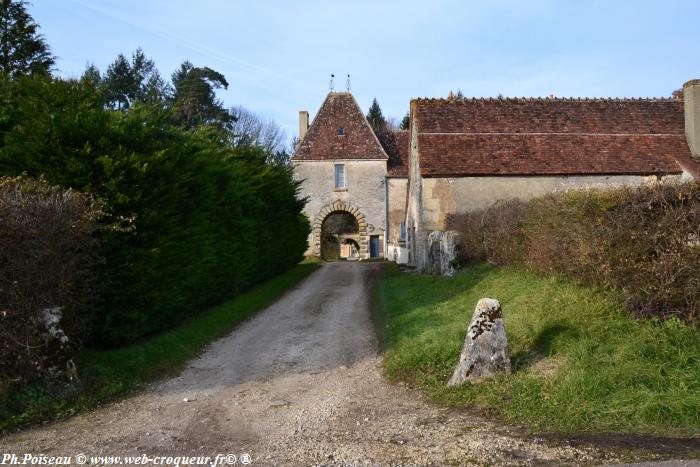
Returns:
point(386, 216)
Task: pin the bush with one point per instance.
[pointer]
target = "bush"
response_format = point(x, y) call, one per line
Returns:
point(489, 234)
point(194, 220)
point(46, 265)
point(642, 241)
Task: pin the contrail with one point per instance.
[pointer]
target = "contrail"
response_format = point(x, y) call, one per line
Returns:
point(192, 45)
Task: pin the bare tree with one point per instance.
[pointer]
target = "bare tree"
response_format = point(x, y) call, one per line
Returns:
point(392, 124)
point(250, 129)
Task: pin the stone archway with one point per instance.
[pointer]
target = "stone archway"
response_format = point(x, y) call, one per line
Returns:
point(340, 206)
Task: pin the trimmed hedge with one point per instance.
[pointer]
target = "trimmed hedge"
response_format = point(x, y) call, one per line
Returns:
point(193, 221)
point(642, 241)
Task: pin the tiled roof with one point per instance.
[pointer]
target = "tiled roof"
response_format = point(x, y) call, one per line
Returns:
point(553, 154)
point(395, 143)
point(550, 136)
point(323, 141)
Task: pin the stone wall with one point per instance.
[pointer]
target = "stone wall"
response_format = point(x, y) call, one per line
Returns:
point(416, 237)
point(691, 98)
point(397, 192)
point(364, 193)
point(441, 197)
point(444, 196)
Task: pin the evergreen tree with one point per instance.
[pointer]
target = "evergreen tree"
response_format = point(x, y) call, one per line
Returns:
point(375, 117)
point(150, 87)
point(119, 83)
point(406, 122)
point(155, 89)
point(194, 97)
point(92, 75)
point(132, 81)
point(141, 67)
point(23, 51)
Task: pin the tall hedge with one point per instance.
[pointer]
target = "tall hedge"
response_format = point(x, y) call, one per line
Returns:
point(642, 241)
point(194, 221)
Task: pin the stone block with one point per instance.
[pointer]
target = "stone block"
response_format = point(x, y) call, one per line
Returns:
point(485, 350)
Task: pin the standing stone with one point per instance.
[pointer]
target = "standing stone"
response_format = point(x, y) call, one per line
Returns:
point(442, 252)
point(485, 350)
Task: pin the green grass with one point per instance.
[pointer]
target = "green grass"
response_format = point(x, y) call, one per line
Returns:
point(106, 375)
point(580, 363)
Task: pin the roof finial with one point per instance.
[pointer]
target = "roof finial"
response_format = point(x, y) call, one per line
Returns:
point(331, 85)
point(347, 83)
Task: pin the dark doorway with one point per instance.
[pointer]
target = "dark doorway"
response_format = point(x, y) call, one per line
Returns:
point(374, 246)
point(336, 224)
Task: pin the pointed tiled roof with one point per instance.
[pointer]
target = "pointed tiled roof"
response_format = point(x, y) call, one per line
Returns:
point(550, 136)
point(323, 141)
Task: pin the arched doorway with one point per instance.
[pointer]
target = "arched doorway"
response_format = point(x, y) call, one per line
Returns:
point(339, 231)
point(358, 239)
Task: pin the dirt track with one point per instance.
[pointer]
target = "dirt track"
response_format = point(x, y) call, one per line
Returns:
point(300, 384)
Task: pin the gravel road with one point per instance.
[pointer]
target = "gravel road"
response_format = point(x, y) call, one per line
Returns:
point(300, 384)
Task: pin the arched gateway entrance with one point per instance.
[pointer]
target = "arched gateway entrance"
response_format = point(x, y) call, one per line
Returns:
point(340, 231)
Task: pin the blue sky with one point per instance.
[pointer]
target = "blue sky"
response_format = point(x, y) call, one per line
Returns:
point(278, 55)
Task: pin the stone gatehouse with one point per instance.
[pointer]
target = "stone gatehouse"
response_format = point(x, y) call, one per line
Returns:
point(395, 188)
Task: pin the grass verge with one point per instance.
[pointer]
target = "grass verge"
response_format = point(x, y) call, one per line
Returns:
point(580, 363)
point(105, 375)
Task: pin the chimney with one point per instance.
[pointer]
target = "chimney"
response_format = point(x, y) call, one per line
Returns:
point(691, 104)
point(303, 123)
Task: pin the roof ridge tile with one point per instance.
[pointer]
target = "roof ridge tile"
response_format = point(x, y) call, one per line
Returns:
point(457, 100)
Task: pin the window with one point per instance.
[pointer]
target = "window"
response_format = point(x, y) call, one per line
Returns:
point(403, 231)
point(341, 131)
point(340, 175)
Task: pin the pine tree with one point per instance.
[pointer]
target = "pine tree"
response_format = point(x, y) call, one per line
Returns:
point(119, 83)
point(92, 75)
point(194, 96)
point(132, 81)
point(375, 117)
point(155, 89)
point(406, 122)
point(23, 51)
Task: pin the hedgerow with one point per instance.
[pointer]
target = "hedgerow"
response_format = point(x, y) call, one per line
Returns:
point(192, 220)
point(46, 264)
point(642, 241)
